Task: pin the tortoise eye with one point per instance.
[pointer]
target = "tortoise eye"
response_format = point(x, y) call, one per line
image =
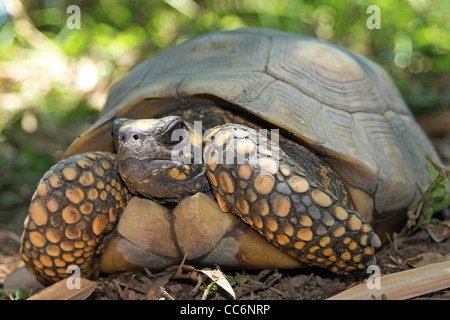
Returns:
point(170, 135)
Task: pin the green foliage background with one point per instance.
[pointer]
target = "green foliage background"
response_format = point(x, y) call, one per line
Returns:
point(54, 80)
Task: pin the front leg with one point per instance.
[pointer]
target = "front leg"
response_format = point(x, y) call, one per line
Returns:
point(76, 203)
point(257, 181)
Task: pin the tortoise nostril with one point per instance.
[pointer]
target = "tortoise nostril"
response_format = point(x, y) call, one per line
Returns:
point(122, 137)
point(135, 137)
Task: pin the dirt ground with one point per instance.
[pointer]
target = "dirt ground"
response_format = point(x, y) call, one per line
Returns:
point(404, 253)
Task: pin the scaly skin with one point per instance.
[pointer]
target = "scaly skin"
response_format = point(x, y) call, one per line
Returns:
point(273, 194)
point(76, 203)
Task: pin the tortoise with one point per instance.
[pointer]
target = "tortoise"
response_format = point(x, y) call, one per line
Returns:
point(323, 159)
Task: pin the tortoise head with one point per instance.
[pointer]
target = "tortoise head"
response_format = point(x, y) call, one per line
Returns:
point(156, 158)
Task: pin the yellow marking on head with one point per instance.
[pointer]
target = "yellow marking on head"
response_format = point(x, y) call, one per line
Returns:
point(182, 176)
point(174, 172)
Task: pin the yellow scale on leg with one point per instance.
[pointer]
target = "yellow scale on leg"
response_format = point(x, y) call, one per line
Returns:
point(271, 192)
point(76, 203)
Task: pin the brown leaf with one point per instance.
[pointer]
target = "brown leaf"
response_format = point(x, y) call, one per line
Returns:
point(60, 291)
point(439, 231)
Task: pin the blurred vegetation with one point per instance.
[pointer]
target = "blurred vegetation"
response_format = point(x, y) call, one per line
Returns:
point(53, 80)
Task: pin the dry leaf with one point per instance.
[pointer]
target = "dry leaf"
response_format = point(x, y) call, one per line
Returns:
point(220, 279)
point(60, 291)
point(438, 231)
point(426, 258)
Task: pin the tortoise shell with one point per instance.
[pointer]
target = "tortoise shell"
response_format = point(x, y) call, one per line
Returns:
point(342, 106)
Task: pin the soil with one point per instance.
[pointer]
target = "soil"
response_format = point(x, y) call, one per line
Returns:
point(300, 284)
